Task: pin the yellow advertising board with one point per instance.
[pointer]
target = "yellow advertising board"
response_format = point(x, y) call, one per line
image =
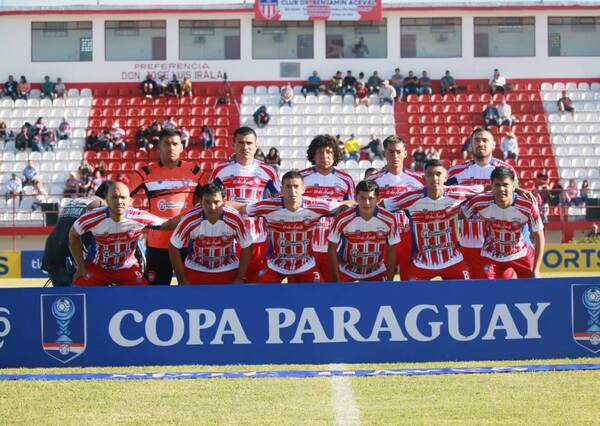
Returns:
point(571, 258)
point(10, 264)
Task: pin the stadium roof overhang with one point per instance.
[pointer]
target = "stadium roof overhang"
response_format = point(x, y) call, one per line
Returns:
point(48, 7)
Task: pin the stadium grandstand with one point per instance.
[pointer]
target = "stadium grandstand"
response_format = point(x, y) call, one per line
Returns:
point(236, 63)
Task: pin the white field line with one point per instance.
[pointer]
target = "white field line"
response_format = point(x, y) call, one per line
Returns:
point(342, 399)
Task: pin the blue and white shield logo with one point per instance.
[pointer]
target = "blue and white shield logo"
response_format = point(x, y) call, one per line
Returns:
point(585, 314)
point(269, 8)
point(64, 325)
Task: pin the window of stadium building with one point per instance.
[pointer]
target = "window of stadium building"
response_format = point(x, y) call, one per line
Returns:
point(61, 41)
point(366, 39)
point(574, 36)
point(430, 37)
point(135, 40)
point(206, 40)
point(282, 40)
point(504, 37)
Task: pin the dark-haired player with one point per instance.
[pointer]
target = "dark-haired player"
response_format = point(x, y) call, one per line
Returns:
point(247, 180)
point(505, 213)
point(433, 213)
point(363, 235)
point(211, 231)
point(324, 181)
point(169, 185)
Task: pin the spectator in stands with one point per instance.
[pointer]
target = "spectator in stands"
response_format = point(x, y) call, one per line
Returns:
point(465, 151)
point(40, 193)
point(47, 88)
point(71, 185)
point(419, 159)
point(40, 124)
point(185, 136)
point(361, 79)
point(10, 88)
point(186, 87)
point(118, 137)
point(122, 177)
point(386, 94)
point(396, 82)
point(565, 104)
point(505, 114)
point(23, 88)
point(29, 173)
point(174, 87)
point(362, 94)
point(3, 131)
point(360, 48)
point(584, 192)
point(35, 142)
point(60, 90)
point(352, 149)
point(374, 82)
point(207, 138)
point(490, 115)
point(541, 197)
point(335, 84)
point(105, 140)
point(447, 84)
point(286, 95)
point(497, 83)
point(64, 129)
point(261, 116)
point(313, 84)
point(542, 178)
point(85, 182)
point(273, 158)
point(91, 141)
point(425, 84)
point(162, 82)
point(169, 123)
point(594, 235)
point(148, 86)
point(141, 138)
point(22, 139)
point(84, 167)
point(432, 153)
point(510, 146)
point(49, 140)
point(101, 167)
point(556, 196)
point(370, 171)
point(154, 133)
point(572, 196)
point(411, 84)
point(14, 188)
point(259, 155)
point(374, 148)
point(97, 180)
point(349, 84)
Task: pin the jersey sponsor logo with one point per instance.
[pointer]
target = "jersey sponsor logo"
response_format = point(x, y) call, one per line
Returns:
point(164, 205)
point(585, 310)
point(364, 236)
point(64, 325)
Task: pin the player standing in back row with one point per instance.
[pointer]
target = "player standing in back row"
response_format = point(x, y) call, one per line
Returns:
point(324, 181)
point(169, 185)
point(476, 172)
point(247, 180)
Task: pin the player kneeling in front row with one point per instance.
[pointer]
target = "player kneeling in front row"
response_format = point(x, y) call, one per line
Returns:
point(116, 229)
point(291, 223)
point(366, 233)
point(213, 230)
point(505, 214)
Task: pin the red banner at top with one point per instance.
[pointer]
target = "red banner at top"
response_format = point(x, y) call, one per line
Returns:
point(311, 10)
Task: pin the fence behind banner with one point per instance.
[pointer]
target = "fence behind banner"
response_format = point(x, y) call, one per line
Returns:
point(255, 324)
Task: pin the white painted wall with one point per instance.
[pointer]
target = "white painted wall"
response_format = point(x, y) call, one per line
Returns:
point(17, 54)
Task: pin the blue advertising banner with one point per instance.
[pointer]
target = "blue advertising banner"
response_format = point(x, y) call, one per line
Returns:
point(31, 264)
point(254, 324)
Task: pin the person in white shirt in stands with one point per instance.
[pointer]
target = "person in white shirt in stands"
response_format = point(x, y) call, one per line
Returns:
point(387, 94)
point(64, 129)
point(510, 146)
point(118, 136)
point(287, 93)
point(497, 83)
point(60, 90)
point(505, 113)
point(14, 188)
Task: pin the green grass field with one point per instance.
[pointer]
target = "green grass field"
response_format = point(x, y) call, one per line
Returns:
point(507, 398)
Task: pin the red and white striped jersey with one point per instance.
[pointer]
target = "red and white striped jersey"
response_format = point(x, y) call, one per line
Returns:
point(248, 184)
point(363, 242)
point(336, 186)
point(115, 242)
point(211, 246)
point(291, 233)
point(503, 236)
point(391, 185)
point(434, 224)
point(470, 173)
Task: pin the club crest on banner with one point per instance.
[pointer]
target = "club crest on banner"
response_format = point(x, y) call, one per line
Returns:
point(585, 314)
point(64, 325)
point(268, 8)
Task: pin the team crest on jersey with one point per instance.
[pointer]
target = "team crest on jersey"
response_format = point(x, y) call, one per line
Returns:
point(585, 314)
point(64, 325)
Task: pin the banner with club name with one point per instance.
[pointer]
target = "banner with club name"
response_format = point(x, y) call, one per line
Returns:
point(282, 324)
point(310, 10)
